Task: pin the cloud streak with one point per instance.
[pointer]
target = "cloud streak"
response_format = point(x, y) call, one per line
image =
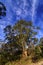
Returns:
point(34, 9)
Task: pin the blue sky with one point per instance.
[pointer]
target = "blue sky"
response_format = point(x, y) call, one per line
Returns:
point(22, 9)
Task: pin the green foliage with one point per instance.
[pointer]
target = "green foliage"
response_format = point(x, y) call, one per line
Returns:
point(9, 34)
point(37, 54)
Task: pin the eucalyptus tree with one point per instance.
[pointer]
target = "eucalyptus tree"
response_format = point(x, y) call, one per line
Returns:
point(24, 31)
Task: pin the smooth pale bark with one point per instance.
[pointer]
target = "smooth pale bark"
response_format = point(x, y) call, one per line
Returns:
point(24, 54)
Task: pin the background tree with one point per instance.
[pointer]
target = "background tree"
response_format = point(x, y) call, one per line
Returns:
point(2, 10)
point(41, 45)
point(11, 45)
point(9, 34)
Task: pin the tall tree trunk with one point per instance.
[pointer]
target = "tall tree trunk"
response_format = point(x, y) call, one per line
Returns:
point(24, 49)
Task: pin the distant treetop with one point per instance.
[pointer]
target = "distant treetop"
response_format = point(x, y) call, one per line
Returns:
point(2, 10)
